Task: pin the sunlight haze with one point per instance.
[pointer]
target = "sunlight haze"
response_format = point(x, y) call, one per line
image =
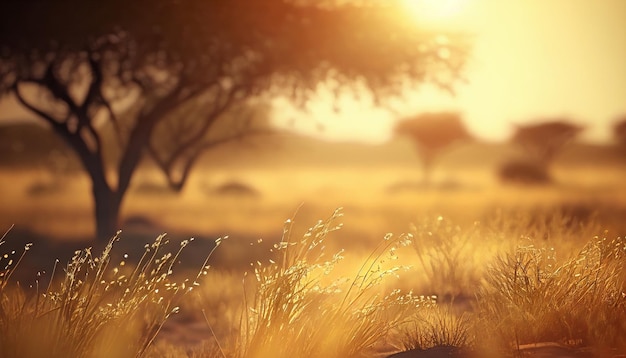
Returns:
point(531, 59)
point(304, 178)
point(434, 11)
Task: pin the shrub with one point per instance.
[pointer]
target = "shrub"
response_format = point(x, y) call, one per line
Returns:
point(524, 172)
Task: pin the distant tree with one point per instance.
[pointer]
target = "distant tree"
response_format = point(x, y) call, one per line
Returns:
point(142, 67)
point(541, 143)
point(433, 133)
point(619, 131)
point(543, 140)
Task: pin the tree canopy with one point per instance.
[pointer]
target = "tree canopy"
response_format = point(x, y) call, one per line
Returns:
point(433, 133)
point(136, 64)
point(543, 139)
point(301, 43)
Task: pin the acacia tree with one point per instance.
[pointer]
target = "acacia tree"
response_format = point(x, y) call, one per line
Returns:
point(619, 131)
point(133, 66)
point(433, 133)
point(543, 140)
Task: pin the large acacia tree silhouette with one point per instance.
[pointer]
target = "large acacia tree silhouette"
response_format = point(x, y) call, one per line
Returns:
point(131, 66)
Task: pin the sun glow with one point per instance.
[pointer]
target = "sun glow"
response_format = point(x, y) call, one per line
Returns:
point(434, 11)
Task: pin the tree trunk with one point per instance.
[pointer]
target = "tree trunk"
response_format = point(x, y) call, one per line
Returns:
point(428, 159)
point(107, 205)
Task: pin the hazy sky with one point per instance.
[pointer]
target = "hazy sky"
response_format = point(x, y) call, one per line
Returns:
point(532, 59)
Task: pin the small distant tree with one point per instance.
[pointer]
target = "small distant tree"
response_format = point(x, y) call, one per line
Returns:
point(541, 142)
point(433, 133)
point(619, 131)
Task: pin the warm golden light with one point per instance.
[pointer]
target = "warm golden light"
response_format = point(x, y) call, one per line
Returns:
point(434, 10)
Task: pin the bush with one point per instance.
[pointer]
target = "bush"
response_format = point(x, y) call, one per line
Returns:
point(524, 172)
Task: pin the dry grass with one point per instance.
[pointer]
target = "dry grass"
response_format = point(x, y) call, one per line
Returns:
point(298, 304)
point(436, 327)
point(448, 255)
point(300, 310)
point(523, 292)
point(530, 296)
point(492, 248)
point(96, 309)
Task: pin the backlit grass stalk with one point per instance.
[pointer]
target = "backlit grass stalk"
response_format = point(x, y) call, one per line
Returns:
point(95, 310)
point(298, 311)
point(531, 296)
point(447, 255)
point(437, 327)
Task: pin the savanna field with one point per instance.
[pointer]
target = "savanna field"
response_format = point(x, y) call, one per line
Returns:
point(325, 250)
point(200, 179)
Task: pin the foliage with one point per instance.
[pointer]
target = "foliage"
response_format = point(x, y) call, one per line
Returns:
point(94, 310)
point(132, 65)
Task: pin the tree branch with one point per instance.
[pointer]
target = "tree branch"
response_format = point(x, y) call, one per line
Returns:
point(208, 122)
point(50, 119)
point(92, 162)
point(50, 81)
point(93, 97)
point(139, 137)
point(94, 92)
point(168, 168)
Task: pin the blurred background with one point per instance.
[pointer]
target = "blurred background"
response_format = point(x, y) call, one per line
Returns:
point(530, 111)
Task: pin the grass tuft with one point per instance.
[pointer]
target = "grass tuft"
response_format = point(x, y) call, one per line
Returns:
point(299, 311)
point(437, 327)
point(532, 296)
point(506, 290)
point(446, 255)
point(96, 309)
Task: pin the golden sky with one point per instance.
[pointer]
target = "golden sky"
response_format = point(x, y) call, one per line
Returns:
point(532, 59)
